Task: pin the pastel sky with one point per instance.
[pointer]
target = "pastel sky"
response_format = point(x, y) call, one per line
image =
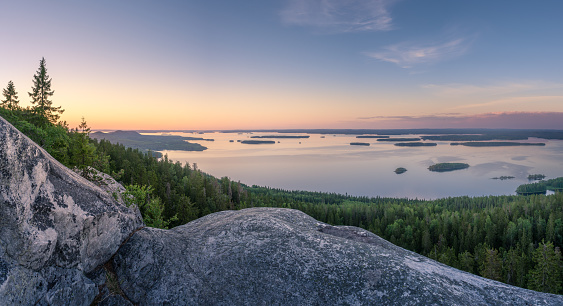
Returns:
point(256, 64)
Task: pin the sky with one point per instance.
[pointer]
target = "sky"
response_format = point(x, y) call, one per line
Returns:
point(282, 64)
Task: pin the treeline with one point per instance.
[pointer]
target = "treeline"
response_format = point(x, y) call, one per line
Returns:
point(185, 191)
point(512, 239)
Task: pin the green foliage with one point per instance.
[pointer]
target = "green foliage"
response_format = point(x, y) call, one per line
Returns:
point(40, 94)
point(533, 188)
point(151, 208)
point(10, 97)
point(491, 265)
point(547, 274)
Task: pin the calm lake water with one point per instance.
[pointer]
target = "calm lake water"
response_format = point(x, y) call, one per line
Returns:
point(329, 163)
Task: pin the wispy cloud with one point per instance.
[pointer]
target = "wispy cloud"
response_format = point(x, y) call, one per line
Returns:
point(340, 15)
point(513, 120)
point(408, 54)
point(514, 100)
point(456, 90)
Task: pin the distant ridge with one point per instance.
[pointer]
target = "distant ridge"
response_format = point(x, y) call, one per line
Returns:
point(133, 139)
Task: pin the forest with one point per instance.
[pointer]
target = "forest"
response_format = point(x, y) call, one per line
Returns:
point(513, 239)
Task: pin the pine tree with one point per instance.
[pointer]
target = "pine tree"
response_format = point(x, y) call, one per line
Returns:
point(41, 92)
point(11, 97)
point(546, 276)
point(491, 265)
point(82, 152)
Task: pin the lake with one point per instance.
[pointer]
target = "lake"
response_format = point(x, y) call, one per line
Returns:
point(328, 163)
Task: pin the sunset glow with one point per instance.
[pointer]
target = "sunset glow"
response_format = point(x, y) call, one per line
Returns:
point(197, 65)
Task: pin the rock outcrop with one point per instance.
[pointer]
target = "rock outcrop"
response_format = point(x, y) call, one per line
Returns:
point(263, 256)
point(55, 226)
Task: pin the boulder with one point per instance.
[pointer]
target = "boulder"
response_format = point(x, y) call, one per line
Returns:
point(263, 256)
point(55, 226)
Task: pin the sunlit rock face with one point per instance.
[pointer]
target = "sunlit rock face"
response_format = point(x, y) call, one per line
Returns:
point(263, 256)
point(54, 225)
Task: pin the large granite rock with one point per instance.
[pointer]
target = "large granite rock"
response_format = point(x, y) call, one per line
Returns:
point(263, 256)
point(55, 226)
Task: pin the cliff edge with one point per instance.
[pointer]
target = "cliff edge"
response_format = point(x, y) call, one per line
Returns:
point(55, 226)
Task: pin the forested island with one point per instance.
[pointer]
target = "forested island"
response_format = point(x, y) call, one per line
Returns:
point(359, 144)
point(536, 177)
point(258, 141)
point(541, 187)
point(372, 136)
point(399, 139)
point(504, 177)
point(400, 170)
point(496, 144)
point(443, 167)
point(283, 136)
point(512, 239)
point(416, 144)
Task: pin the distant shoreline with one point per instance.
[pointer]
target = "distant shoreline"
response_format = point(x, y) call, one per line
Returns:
point(453, 134)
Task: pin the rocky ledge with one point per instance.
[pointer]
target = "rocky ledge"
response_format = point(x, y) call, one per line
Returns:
point(55, 226)
point(263, 256)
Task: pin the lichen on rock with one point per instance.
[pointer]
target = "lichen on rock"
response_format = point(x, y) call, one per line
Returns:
point(262, 256)
point(51, 217)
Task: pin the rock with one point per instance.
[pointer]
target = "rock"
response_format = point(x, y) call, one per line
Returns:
point(262, 256)
point(54, 225)
point(106, 182)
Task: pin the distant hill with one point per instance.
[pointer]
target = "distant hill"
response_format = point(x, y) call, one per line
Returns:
point(153, 143)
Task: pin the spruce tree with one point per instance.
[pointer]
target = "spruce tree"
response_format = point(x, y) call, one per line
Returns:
point(546, 276)
point(40, 94)
point(11, 97)
point(491, 265)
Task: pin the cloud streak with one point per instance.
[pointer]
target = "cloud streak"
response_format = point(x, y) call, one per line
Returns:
point(510, 120)
point(408, 54)
point(515, 100)
point(339, 15)
point(457, 90)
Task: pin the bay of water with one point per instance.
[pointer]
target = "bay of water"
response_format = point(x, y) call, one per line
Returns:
point(328, 163)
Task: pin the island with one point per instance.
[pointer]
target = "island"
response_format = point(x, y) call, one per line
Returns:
point(541, 187)
point(283, 136)
point(372, 136)
point(359, 144)
point(399, 139)
point(416, 144)
point(258, 141)
point(534, 188)
point(536, 177)
point(146, 143)
point(502, 178)
point(400, 170)
point(443, 167)
point(496, 144)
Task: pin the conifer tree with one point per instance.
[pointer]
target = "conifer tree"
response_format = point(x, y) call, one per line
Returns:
point(546, 276)
point(11, 97)
point(40, 94)
point(491, 265)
